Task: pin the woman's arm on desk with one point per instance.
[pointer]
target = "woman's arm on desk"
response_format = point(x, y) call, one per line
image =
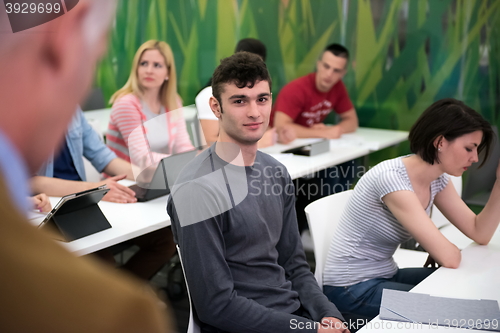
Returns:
point(408, 210)
point(480, 228)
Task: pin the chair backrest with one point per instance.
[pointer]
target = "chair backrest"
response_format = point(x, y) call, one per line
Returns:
point(99, 120)
point(323, 217)
point(193, 326)
point(193, 126)
point(479, 182)
point(436, 216)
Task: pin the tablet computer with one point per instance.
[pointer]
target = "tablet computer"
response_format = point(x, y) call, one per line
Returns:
point(77, 215)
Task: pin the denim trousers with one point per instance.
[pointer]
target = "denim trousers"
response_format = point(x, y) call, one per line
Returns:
point(364, 298)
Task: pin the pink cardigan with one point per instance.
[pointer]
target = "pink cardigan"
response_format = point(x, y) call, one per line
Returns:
point(126, 133)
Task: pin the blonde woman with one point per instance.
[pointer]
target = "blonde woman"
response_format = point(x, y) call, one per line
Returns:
point(149, 98)
point(150, 92)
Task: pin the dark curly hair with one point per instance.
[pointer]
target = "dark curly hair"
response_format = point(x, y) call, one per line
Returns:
point(451, 119)
point(243, 69)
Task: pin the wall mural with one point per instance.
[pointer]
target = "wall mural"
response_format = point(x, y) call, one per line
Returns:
point(405, 54)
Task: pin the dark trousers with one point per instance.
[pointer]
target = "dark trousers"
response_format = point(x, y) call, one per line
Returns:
point(155, 250)
point(322, 183)
point(364, 298)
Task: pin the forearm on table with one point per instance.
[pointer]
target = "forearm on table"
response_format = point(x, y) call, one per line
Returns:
point(348, 121)
point(117, 166)
point(57, 187)
point(307, 132)
point(487, 221)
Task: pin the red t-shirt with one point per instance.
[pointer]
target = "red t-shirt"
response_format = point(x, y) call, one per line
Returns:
point(306, 105)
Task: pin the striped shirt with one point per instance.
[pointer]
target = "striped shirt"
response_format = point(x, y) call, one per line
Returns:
point(368, 233)
point(128, 137)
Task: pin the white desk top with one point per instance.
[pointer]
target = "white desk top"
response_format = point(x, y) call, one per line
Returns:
point(376, 138)
point(132, 220)
point(348, 147)
point(477, 277)
point(127, 220)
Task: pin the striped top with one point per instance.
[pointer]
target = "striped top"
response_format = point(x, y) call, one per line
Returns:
point(368, 233)
point(127, 134)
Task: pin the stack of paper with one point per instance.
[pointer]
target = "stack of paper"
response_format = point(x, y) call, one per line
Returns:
point(441, 311)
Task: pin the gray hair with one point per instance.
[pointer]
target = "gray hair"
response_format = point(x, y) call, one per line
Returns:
point(101, 13)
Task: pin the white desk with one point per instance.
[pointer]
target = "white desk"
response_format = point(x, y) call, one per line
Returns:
point(477, 277)
point(348, 147)
point(132, 220)
point(127, 220)
point(376, 138)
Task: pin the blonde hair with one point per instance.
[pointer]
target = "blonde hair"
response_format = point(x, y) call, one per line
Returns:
point(168, 90)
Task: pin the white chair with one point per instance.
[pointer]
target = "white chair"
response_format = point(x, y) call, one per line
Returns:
point(323, 217)
point(193, 326)
point(99, 120)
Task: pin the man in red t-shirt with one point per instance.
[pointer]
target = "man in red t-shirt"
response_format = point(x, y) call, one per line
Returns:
point(304, 103)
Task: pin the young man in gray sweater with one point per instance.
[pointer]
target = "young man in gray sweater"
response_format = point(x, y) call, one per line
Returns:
point(233, 217)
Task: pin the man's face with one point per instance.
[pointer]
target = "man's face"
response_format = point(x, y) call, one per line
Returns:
point(244, 113)
point(330, 70)
point(68, 88)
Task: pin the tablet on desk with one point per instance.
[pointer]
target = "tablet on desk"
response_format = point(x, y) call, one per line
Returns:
point(77, 215)
point(312, 149)
point(157, 185)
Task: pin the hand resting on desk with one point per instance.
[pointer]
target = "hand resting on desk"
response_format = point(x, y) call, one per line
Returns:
point(118, 193)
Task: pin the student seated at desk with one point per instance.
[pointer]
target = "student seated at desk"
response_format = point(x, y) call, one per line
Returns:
point(150, 92)
point(64, 174)
point(304, 103)
point(300, 109)
point(241, 251)
point(392, 203)
point(208, 120)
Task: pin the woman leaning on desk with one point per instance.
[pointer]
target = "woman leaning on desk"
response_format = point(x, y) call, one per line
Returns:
point(392, 203)
point(150, 92)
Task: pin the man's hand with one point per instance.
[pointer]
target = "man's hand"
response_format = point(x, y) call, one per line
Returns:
point(41, 203)
point(118, 193)
point(333, 132)
point(330, 324)
point(328, 131)
point(286, 134)
point(319, 126)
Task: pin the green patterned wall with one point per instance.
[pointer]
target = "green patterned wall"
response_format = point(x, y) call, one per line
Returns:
point(405, 53)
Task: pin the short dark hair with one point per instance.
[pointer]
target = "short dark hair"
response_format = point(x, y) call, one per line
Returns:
point(243, 69)
point(451, 119)
point(338, 50)
point(252, 45)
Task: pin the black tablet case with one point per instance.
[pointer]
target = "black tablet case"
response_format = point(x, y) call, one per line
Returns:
point(81, 216)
